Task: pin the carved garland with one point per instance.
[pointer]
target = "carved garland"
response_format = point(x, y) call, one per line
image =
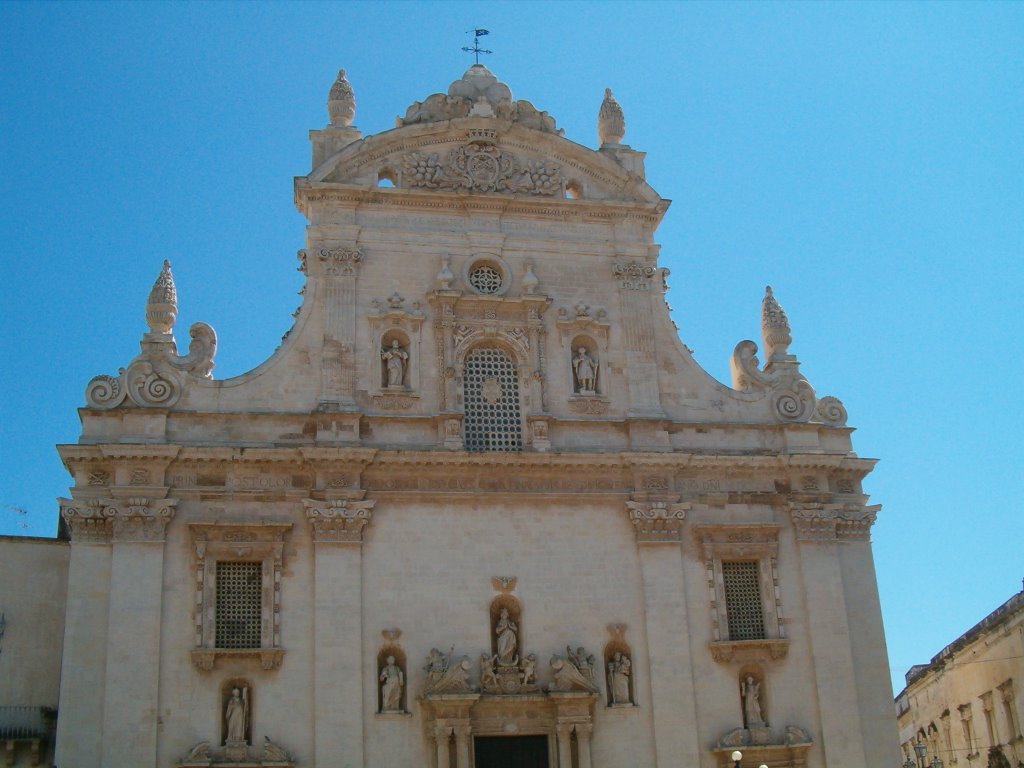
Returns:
point(480, 167)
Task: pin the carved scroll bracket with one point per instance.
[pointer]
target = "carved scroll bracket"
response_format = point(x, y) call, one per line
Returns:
point(832, 522)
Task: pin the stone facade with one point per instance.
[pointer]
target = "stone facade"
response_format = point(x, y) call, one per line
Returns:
point(481, 497)
point(965, 704)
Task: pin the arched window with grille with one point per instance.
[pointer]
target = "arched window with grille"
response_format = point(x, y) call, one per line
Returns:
point(491, 397)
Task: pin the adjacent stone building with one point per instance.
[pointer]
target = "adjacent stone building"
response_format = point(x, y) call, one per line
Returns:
point(964, 705)
point(481, 507)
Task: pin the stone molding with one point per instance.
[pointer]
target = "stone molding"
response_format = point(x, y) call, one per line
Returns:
point(657, 522)
point(816, 522)
point(339, 521)
point(749, 650)
point(134, 519)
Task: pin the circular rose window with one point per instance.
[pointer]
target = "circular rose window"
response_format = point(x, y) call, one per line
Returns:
point(485, 279)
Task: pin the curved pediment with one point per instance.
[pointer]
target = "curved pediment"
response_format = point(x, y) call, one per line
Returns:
point(484, 155)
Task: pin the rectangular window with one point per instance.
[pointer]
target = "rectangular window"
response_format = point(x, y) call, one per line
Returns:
point(743, 609)
point(239, 610)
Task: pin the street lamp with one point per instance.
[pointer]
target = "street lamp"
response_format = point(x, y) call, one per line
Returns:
point(737, 756)
point(921, 751)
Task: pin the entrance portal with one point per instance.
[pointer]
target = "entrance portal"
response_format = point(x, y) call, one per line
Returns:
point(510, 751)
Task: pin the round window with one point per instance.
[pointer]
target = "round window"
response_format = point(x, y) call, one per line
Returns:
point(485, 279)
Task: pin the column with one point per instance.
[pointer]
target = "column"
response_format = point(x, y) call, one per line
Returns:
point(564, 733)
point(443, 733)
point(80, 725)
point(338, 269)
point(583, 732)
point(658, 529)
point(337, 528)
point(829, 635)
point(462, 733)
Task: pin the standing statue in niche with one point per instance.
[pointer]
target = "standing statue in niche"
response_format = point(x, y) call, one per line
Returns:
point(619, 670)
point(750, 690)
point(585, 368)
point(395, 359)
point(236, 713)
point(392, 680)
point(506, 633)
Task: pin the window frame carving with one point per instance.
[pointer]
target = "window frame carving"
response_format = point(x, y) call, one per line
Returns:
point(237, 542)
point(729, 542)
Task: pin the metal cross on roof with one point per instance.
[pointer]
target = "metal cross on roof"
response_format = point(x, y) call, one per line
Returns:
point(476, 50)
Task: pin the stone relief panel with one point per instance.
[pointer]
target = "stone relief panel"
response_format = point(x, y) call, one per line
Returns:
point(481, 167)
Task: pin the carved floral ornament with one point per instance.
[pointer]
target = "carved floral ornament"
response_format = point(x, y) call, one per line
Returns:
point(482, 167)
point(156, 377)
point(131, 519)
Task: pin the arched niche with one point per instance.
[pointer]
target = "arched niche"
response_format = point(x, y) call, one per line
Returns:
point(226, 708)
point(514, 610)
point(396, 362)
point(753, 674)
point(392, 650)
point(585, 365)
point(617, 651)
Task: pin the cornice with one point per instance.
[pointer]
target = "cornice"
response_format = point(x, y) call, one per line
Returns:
point(307, 192)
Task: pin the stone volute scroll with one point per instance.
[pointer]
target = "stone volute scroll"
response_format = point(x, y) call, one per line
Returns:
point(339, 521)
point(790, 395)
point(446, 674)
point(156, 377)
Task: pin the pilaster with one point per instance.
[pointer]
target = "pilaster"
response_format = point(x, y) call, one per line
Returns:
point(821, 530)
point(123, 715)
point(658, 525)
point(337, 532)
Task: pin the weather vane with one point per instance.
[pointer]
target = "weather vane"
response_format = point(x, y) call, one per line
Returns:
point(476, 50)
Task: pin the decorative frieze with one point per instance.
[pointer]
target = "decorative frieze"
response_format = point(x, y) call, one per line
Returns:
point(340, 520)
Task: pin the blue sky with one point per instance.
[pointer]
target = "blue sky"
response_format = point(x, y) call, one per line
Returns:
point(866, 159)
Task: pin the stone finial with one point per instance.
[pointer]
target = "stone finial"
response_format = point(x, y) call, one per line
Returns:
point(774, 327)
point(611, 122)
point(445, 276)
point(162, 304)
point(341, 102)
point(530, 280)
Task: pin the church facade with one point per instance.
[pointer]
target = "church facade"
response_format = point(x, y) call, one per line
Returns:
point(481, 507)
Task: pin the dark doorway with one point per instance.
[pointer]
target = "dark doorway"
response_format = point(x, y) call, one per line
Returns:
point(511, 751)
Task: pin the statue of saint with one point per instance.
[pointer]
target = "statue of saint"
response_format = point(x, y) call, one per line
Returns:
point(619, 669)
point(750, 690)
point(394, 358)
point(585, 368)
point(235, 714)
point(392, 680)
point(506, 633)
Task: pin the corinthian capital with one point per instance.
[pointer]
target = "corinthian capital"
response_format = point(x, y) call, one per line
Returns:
point(340, 520)
point(657, 521)
point(104, 520)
